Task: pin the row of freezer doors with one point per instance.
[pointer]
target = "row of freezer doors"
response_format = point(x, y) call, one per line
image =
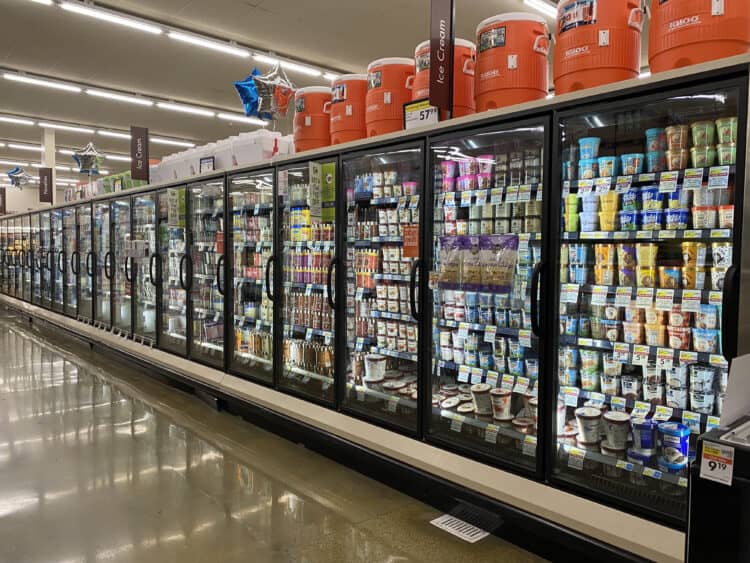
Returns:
point(419, 306)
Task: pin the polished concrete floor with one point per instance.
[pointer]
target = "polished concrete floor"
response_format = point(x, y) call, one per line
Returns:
point(100, 463)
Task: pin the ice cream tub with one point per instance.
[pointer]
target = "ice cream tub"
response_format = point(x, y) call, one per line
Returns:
point(646, 276)
point(674, 438)
point(717, 278)
point(679, 199)
point(607, 449)
point(612, 330)
point(590, 202)
point(706, 340)
point(727, 153)
point(644, 434)
point(670, 277)
point(579, 254)
point(571, 222)
point(654, 316)
point(629, 220)
point(607, 220)
point(589, 222)
point(610, 384)
point(677, 317)
point(590, 380)
point(588, 169)
point(656, 161)
point(702, 402)
point(707, 317)
point(656, 335)
point(607, 166)
point(605, 275)
point(467, 166)
point(677, 137)
point(676, 219)
point(568, 377)
point(677, 397)
point(656, 139)
point(651, 199)
point(604, 254)
point(693, 278)
point(630, 200)
point(633, 332)
point(677, 159)
point(642, 458)
point(484, 181)
point(589, 147)
point(448, 168)
point(617, 427)
point(704, 217)
point(726, 127)
point(480, 394)
point(702, 156)
point(703, 133)
point(634, 315)
point(651, 220)
point(726, 216)
point(588, 423)
point(702, 378)
point(500, 401)
point(627, 255)
point(694, 253)
point(721, 253)
point(632, 163)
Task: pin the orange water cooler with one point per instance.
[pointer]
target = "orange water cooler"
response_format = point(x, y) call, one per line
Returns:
point(687, 32)
point(388, 89)
point(347, 108)
point(596, 44)
point(312, 125)
point(464, 53)
point(512, 65)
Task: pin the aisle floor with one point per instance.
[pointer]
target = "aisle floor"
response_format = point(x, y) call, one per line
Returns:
point(101, 463)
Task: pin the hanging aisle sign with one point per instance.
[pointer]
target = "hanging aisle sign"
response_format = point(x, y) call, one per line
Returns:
point(3, 206)
point(139, 153)
point(45, 185)
point(442, 18)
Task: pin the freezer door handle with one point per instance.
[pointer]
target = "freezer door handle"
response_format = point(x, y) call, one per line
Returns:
point(128, 270)
point(60, 265)
point(108, 265)
point(416, 265)
point(269, 263)
point(728, 306)
point(219, 278)
point(89, 256)
point(75, 262)
point(183, 260)
point(329, 282)
point(50, 260)
point(535, 280)
point(29, 258)
point(151, 276)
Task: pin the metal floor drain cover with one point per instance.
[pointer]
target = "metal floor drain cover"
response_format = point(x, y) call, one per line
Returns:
point(459, 528)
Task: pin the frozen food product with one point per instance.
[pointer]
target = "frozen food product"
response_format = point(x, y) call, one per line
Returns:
point(721, 254)
point(677, 159)
point(702, 156)
point(727, 153)
point(726, 128)
point(632, 163)
point(704, 217)
point(677, 137)
point(703, 133)
point(670, 277)
point(706, 340)
point(656, 139)
point(589, 147)
point(656, 161)
point(588, 169)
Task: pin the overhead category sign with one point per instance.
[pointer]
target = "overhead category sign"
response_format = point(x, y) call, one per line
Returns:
point(441, 54)
point(139, 153)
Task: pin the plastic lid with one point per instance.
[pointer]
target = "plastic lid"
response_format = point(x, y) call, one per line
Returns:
point(674, 429)
point(313, 90)
point(670, 467)
point(644, 423)
point(641, 457)
point(460, 42)
point(617, 417)
point(480, 388)
point(511, 17)
point(346, 77)
point(391, 61)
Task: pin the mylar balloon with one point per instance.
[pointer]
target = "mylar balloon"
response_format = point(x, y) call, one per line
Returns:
point(19, 177)
point(266, 96)
point(88, 159)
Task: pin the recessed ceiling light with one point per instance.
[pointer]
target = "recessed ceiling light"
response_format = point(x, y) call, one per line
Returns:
point(114, 134)
point(186, 109)
point(161, 141)
point(242, 119)
point(72, 128)
point(66, 152)
point(13, 163)
point(288, 65)
point(15, 120)
point(209, 44)
point(111, 17)
point(542, 6)
point(33, 148)
point(119, 97)
point(330, 76)
point(41, 82)
point(45, 2)
point(117, 157)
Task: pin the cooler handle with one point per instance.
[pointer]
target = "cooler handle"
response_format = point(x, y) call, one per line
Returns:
point(541, 44)
point(535, 280)
point(469, 66)
point(327, 108)
point(728, 344)
point(635, 19)
point(409, 81)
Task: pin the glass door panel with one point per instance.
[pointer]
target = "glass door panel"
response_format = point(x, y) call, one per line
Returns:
point(143, 242)
point(17, 258)
point(36, 261)
point(251, 263)
point(102, 263)
point(307, 199)
point(122, 271)
point(4, 257)
point(173, 272)
point(71, 261)
point(85, 263)
point(207, 262)
point(26, 233)
point(56, 264)
point(383, 197)
point(486, 243)
point(45, 259)
point(647, 221)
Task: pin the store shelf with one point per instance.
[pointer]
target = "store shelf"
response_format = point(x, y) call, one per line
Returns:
point(204, 276)
point(395, 400)
point(257, 323)
point(310, 245)
point(214, 212)
point(177, 336)
point(308, 374)
point(401, 201)
point(253, 357)
point(299, 329)
point(306, 286)
point(253, 209)
point(369, 242)
point(622, 183)
point(713, 235)
point(394, 354)
point(238, 281)
point(503, 194)
point(392, 277)
point(706, 296)
point(258, 246)
point(512, 332)
point(392, 316)
point(459, 420)
point(211, 346)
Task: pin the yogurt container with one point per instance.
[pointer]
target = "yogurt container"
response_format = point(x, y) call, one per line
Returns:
point(644, 434)
point(656, 139)
point(632, 163)
point(589, 419)
point(617, 427)
point(589, 147)
point(674, 438)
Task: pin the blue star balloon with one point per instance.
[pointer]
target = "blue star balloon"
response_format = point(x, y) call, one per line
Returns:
point(248, 92)
point(265, 96)
point(88, 159)
point(18, 177)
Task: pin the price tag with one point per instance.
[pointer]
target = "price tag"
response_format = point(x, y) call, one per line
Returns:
point(524, 192)
point(308, 289)
point(360, 394)
point(522, 385)
point(622, 464)
point(715, 298)
point(664, 358)
point(693, 420)
point(481, 197)
point(663, 413)
point(623, 296)
point(327, 338)
point(491, 378)
point(618, 403)
point(463, 330)
point(688, 357)
point(644, 297)
point(490, 433)
point(693, 234)
point(691, 300)
point(258, 324)
point(575, 458)
point(599, 295)
point(644, 235)
point(712, 422)
point(309, 334)
point(641, 409)
point(414, 202)
point(650, 177)
point(720, 233)
point(511, 194)
point(420, 114)
point(466, 198)
point(359, 293)
point(718, 178)
point(507, 382)
point(693, 179)
point(529, 446)
point(668, 181)
point(477, 374)
point(496, 195)
point(602, 185)
point(569, 293)
point(392, 404)
point(585, 186)
point(450, 199)
point(359, 344)
point(597, 399)
point(585, 342)
point(716, 360)
point(651, 472)
point(717, 463)
point(623, 183)
point(463, 374)
point(489, 333)
point(667, 234)
point(457, 423)
point(540, 192)
point(682, 482)
point(640, 355)
point(524, 338)
point(621, 352)
point(570, 395)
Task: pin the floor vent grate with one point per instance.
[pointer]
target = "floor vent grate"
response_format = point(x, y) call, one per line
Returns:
point(459, 528)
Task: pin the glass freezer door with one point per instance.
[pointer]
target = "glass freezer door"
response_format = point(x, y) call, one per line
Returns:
point(143, 242)
point(102, 263)
point(646, 223)
point(207, 267)
point(307, 200)
point(173, 270)
point(122, 266)
point(383, 199)
point(71, 261)
point(45, 259)
point(36, 261)
point(251, 262)
point(26, 245)
point(486, 246)
point(4, 256)
point(17, 257)
point(56, 259)
point(85, 263)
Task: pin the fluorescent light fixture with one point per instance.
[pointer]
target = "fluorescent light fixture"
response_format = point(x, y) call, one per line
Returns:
point(330, 76)
point(61, 168)
point(47, 124)
point(111, 17)
point(542, 6)
point(119, 97)
point(45, 2)
point(209, 44)
point(114, 134)
point(162, 141)
point(242, 119)
point(117, 157)
point(66, 152)
point(33, 148)
point(41, 82)
point(645, 74)
point(15, 120)
point(13, 163)
point(186, 109)
point(288, 65)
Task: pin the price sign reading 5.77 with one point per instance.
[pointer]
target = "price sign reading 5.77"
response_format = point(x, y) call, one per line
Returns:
point(420, 114)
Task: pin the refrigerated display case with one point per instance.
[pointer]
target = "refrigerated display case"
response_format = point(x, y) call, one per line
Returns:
point(27, 267)
point(172, 267)
point(647, 267)
point(3, 256)
point(36, 260)
point(45, 259)
point(17, 257)
point(85, 263)
point(207, 271)
point(251, 201)
point(487, 247)
point(307, 206)
point(102, 264)
point(383, 203)
point(71, 261)
point(56, 260)
point(121, 270)
point(144, 265)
